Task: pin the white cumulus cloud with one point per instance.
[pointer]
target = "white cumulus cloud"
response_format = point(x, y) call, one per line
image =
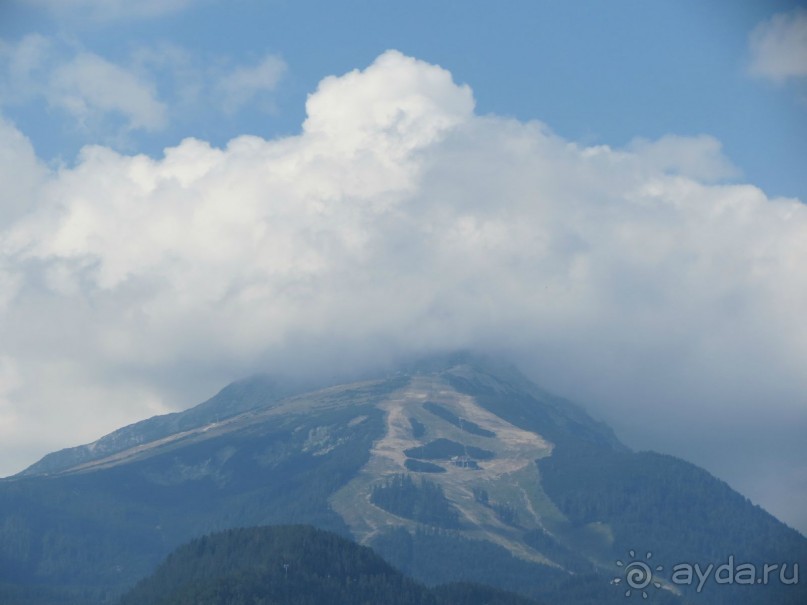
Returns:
point(398, 221)
point(396, 101)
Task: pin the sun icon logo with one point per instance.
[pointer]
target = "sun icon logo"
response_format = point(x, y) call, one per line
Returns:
point(637, 575)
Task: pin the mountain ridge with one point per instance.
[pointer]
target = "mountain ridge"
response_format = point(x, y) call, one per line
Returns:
point(264, 390)
point(454, 469)
point(233, 399)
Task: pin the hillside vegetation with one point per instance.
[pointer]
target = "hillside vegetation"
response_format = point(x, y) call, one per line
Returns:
point(293, 565)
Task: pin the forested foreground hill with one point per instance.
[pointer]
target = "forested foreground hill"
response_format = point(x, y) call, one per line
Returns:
point(293, 564)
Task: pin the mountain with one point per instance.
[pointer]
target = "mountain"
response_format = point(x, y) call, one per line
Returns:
point(293, 565)
point(453, 468)
point(256, 392)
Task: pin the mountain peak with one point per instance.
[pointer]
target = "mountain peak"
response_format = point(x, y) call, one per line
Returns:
point(499, 386)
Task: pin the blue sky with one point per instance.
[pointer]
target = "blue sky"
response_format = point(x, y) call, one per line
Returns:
point(609, 193)
point(593, 71)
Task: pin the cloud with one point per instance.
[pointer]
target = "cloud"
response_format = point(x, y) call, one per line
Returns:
point(184, 82)
point(108, 101)
point(394, 102)
point(89, 87)
point(243, 84)
point(24, 60)
point(397, 222)
point(110, 10)
point(94, 92)
point(698, 157)
point(21, 175)
point(778, 47)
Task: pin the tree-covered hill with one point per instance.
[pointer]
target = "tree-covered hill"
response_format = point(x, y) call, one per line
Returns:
point(679, 513)
point(293, 565)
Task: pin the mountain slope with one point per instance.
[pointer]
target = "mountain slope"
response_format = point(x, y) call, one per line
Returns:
point(453, 468)
point(236, 398)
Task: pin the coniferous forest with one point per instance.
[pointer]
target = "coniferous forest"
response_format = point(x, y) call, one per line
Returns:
point(293, 565)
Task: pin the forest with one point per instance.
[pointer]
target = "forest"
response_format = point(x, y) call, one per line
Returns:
point(293, 565)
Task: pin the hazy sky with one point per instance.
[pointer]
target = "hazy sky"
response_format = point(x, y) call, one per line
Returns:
point(609, 193)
